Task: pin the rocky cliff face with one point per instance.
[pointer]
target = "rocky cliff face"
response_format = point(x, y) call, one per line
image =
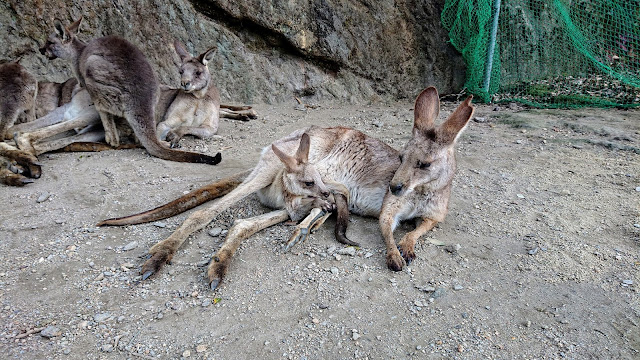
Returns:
point(267, 51)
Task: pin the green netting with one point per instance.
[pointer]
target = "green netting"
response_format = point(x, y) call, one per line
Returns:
point(550, 53)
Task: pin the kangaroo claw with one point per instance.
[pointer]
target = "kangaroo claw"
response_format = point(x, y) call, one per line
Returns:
point(146, 275)
point(408, 254)
point(298, 236)
point(395, 261)
point(153, 264)
point(214, 284)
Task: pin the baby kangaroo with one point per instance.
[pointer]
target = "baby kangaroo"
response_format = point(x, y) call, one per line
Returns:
point(121, 83)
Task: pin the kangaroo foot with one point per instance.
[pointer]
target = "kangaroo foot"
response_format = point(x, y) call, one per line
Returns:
point(173, 139)
point(308, 225)
point(154, 263)
point(23, 142)
point(10, 178)
point(407, 251)
point(395, 261)
point(217, 270)
point(26, 164)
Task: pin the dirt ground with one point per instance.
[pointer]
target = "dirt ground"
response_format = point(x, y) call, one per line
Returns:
point(538, 258)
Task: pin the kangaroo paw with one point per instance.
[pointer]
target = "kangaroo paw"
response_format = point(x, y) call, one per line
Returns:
point(154, 263)
point(395, 261)
point(407, 252)
point(217, 270)
point(343, 239)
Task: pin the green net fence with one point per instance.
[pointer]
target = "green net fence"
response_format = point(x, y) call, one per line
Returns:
point(549, 53)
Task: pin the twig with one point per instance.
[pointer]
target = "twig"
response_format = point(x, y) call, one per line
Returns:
point(30, 332)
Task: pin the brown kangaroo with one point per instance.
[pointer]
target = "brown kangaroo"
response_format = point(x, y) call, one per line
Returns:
point(415, 183)
point(121, 83)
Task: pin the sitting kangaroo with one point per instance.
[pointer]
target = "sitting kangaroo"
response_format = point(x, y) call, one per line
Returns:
point(193, 108)
point(415, 183)
point(121, 83)
point(18, 91)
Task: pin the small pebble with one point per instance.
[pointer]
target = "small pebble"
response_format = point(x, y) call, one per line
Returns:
point(101, 317)
point(378, 123)
point(627, 282)
point(533, 251)
point(215, 232)
point(351, 251)
point(337, 256)
point(206, 302)
point(335, 271)
point(160, 224)
point(43, 197)
point(186, 354)
point(368, 255)
point(458, 287)
point(50, 331)
point(479, 119)
point(107, 348)
point(520, 196)
point(638, 188)
point(130, 246)
point(201, 348)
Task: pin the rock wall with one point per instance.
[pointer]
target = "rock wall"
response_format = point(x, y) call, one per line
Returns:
point(268, 51)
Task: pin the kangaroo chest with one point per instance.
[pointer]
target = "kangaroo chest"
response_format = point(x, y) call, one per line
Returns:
point(191, 111)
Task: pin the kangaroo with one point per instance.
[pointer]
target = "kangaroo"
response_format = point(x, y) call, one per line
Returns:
point(193, 108)
point(52, 95)
point(17, 167)
point(121, 83)
point(18, 89)
point(414, 183)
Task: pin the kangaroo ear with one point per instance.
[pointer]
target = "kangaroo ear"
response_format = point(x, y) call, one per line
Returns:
point(451, 129)
point(289, 162)
point(73, 28)
point(59, 28)
point(302, 155)
point(426, 109)
point(208, 55)
point(182, 52)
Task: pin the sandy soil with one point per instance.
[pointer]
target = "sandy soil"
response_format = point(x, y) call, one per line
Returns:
point(538, 259)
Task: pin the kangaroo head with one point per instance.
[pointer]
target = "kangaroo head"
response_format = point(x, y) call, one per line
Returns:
point(428, 159)
point(300, 177)
point(194, 72)
point(60, 43)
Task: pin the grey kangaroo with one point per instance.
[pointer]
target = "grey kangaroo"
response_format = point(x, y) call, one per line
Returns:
point(121, 83)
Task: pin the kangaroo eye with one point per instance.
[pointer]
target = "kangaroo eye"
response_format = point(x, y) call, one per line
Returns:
point(181, 71)
point(423, 165)
point(309, 183)
point(198, 73)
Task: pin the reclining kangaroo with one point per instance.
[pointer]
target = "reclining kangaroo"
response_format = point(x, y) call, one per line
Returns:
point(121, 83)
point(415, 183)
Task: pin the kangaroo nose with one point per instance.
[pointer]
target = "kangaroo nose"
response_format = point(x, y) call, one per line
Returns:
point(186, 85)
point(396, 189)
point(325, 194)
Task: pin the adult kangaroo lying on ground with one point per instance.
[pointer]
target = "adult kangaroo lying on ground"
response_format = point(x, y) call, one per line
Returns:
point(415, 183)
point(121, 83)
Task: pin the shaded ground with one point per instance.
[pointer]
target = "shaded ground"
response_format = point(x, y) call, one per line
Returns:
point(538, 257)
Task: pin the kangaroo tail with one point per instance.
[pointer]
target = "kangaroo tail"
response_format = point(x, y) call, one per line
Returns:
point(181, 204)
point(163, 152)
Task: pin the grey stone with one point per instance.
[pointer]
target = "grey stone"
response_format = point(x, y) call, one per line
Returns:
point(215, 232)
point(50, 331)
point(350, 250)
point(43, 197)
point(101, 317)
point(160, 224)
point(130, 246)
